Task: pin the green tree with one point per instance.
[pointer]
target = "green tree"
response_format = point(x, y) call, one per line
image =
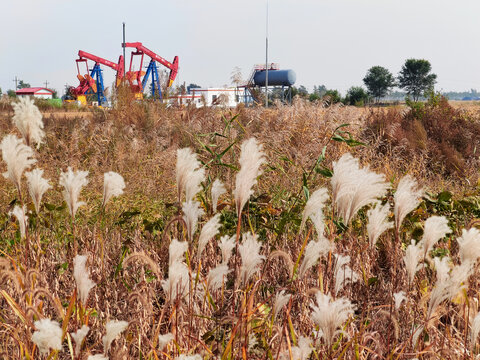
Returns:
point(1, 92)
point(378, 81)
point(332, 96)
point(23, 85)
point(356, 95)
point(415, 77)
point(302, 91)
point(11, 93)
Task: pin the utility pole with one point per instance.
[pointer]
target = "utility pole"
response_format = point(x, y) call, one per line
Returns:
point(266, 62)
point(16, 83)
point(123, 45)
point(46, 83)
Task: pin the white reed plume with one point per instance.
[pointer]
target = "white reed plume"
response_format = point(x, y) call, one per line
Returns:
point(313, 251)
point(302, 351)
point(22, 218)
point(329, 315)
point(163, 340)
point(281, 299)
point(442, 267)
point(216, 276)
point(191, 213)
point(113, 185)
point(314, 206)
point(189, 357)
point(227, 243)
point(177, 282)
point(79, 336)
point(406, 198)
point(113, 329)
point(251, 158)
point(399, 297)
point(188, 173)
point(209, 231)
point(194, 183)
point(28, 119)
point(436, 227)
point(176, 251)
point(343, 273)
point(469, 245)
point(449, 287)
point(354, 188)
point(18, 158)
point(378, 222)
point(72, 182)
point(48, 335)
point(97, 357)
point(37, 186)
point(413, 254)
point(218, 189)
point(82, 278)
point(249, 251)
point(475, 325)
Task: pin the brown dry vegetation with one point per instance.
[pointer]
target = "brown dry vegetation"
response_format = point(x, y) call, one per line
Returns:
point(139, 141)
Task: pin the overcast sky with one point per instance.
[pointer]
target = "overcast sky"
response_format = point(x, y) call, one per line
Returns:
point(330, 42)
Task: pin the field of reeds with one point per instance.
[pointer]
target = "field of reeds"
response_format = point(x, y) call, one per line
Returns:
point(298, 232)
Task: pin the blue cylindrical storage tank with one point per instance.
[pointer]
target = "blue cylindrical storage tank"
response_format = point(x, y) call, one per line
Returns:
point(275, 77)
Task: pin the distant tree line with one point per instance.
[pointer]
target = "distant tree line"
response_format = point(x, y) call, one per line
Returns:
point(415, 78)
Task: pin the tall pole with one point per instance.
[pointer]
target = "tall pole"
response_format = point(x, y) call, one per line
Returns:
point(266, 62)
point(16, 83)
point(123, 50)
point(46, 83)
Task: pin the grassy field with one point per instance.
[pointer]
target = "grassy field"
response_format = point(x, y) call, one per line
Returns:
point(322, 263)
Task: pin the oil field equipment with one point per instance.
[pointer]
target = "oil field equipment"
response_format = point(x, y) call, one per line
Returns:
point(135, 77)
point(93, 83)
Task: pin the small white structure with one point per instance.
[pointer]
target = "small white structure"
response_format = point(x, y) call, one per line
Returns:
point(36, 92)
point(225, 97)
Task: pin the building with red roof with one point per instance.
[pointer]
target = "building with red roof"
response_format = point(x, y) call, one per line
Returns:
point(36, 92)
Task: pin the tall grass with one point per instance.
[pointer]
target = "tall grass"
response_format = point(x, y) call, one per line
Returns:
point(363, 267)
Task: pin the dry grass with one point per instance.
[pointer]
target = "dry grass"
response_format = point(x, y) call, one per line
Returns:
point(127, 245)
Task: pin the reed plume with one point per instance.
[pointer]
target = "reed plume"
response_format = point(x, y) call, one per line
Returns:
point(163, 340)
point(354, 187)
point(48, 335)
point(113, 185)
point(281, 299)
point(413, 254)
point(251, 158)
point(78, 337)
point(469, 245)
point(216, 276)
point(378, 222)
point(406, 199)
point(209, 231)
point(37, 186)
point(176, 251)
point(398, 298)
point(113, 329)
point(314, 209)
point(436, 227)
point(313, 251)
point(73, 182)
point(82, 279)
point(329, 315)
point(18, 158)
point(22, 218)
point(189, 175)
point(227, 243)
point(249, 251)
point(28, 119)
point(191, 213)
point(218, 189)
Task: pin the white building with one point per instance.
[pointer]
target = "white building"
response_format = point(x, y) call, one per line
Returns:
point(225, 97)
point(36, 92)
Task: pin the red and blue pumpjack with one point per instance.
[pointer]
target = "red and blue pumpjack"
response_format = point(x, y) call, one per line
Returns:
point(135, 77)
point(93, 82)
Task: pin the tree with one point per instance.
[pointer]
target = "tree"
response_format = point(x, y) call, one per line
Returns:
point(356, 95)
point(192, 86)
point(1, 92)
point(302, 91)
point(23, 85)
point(11, 93)
point(415, 77)
point(332, 96)
point(378, 81)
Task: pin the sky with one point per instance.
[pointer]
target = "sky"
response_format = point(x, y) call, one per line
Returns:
point(326, 42)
